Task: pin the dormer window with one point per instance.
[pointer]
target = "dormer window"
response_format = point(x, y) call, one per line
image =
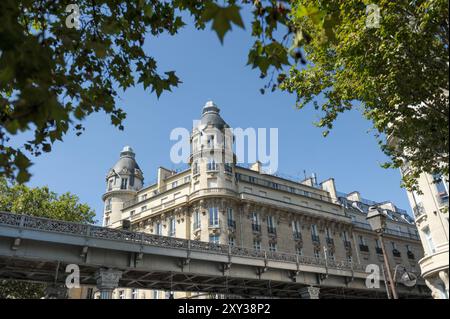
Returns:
point(124, 183)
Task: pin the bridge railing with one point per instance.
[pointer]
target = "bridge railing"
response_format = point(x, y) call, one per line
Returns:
point(98, 232)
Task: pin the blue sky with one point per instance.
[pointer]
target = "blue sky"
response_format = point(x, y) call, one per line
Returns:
point(211, 71)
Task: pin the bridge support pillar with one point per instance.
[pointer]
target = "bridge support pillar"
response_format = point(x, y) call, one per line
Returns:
point(107, 281)
point(55, 292)
point(309, 292)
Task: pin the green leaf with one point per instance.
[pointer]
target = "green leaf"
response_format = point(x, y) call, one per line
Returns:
point(222, 17)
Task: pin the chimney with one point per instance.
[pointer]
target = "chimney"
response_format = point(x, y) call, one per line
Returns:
point(256, 167)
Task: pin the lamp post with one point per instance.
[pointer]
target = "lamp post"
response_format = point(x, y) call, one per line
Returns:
point(377, 221)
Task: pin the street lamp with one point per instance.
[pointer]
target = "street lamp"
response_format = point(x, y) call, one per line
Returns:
point(377, 220)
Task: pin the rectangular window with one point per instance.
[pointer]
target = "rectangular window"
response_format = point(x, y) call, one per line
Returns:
point(231, 241)
point(230, 213)
point(345, 236)
point(214, 239)
point(197, 223)
point(144, 197)
point(134, 293)
point(211, 166)
point(256, 244)
point(158, 229)
point(299, 251)
point(131, 180)
point(362, 240)
point(121, 294)
point(124, 183)
point(228, 168)
point(272, 246)
point(295, 226)
point(143, 208)
point(256, 226)
point(187, 179)
point(195, 168)
point(210, 141)
point(271, 225)
point(110, 184)
point(213, 216)
point(174, 184)
point(172, 225)
point(394, 246)
point(314, 231)
point(132, 213)
point(377, 243)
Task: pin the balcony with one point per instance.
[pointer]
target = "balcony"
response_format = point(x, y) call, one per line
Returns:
point(442, 199)
point(396, 253)
point(330, 241)
point(418, 210)
point(297, 236)
point(364, 248)
point(256, 228)
point(410, 255)
point(315, 239)
point(231, 224)
point(379, 250)
point(212, 167)
point(272, 230)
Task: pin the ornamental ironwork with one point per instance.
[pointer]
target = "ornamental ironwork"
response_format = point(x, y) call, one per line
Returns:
point(97, 232)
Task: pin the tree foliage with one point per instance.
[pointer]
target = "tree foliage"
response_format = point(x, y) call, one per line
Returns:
point(398, 70)
point(42, 202)
point(52, 77)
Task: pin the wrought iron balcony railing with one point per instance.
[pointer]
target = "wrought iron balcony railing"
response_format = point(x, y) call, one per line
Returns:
point(364, 248)
point(315, 239)
point(379, 250)
point(271, 230)
point(418, 210)
point(231, 223)
point(256, 227)
point(330, 241)
point(410, 255)
point(396, 253)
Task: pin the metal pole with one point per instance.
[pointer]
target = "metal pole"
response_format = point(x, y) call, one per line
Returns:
point(388, 268)
point(385, 283)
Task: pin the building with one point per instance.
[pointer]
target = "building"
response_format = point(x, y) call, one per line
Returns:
point(430, 207)
point(218, 201)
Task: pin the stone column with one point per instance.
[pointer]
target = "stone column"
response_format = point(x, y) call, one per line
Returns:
point(55, 292)
point(107, 281)
point(309, 292)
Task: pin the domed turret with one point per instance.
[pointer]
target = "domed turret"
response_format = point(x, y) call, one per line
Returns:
point(211, 116)
point(212, 159)
point(123, 181)
point(126, 161)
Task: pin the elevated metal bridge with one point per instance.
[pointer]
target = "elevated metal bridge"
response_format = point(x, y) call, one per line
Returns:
point(39, 249)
